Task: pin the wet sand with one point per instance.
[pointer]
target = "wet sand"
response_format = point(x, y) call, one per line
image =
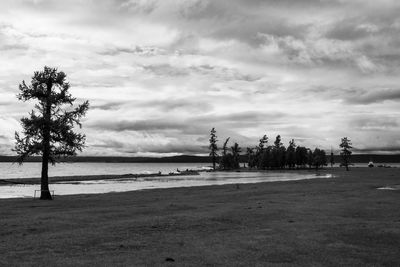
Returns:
point(319, 222)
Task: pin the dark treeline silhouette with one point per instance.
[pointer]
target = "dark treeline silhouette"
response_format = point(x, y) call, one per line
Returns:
point(272, 156)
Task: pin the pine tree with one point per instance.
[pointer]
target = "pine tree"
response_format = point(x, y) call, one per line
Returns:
point(310, 158)
point(236, 153)
point(345, 152)
point(213, 147)
point(278, 153)
point(224, 162)
point(250, 157)
point(332, 159)
point(48, 131)
point(319, 158)
point(261, 153)
point(301, 156)
point(291, 154)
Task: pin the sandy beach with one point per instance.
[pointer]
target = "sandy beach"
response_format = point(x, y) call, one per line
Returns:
point(320, 222)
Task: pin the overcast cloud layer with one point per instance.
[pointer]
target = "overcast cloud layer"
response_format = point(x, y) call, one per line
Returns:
point(160, 74)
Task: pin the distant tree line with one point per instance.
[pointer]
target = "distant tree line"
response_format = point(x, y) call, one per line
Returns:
point(273, 156)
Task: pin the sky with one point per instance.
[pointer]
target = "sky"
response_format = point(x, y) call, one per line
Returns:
point(159, 74)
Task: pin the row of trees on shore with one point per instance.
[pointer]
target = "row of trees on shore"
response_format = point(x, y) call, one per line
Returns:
point(273, 156)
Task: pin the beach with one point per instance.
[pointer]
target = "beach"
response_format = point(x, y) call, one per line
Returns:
point(344, 220)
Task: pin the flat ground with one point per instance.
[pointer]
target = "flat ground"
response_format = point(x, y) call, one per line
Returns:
point(320, 222)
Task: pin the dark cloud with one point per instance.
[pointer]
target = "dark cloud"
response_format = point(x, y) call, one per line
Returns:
point(136, 50)
point(239, 118)
point(375, 123)
point(365, 97)
point(355, 95)
point(166, 70)
point(180, 104)
point(137, 6)
point(196, 125)
point(107, 106)
point(224, 73)
point(138, 125)
point(6, 47)
point(174, 146)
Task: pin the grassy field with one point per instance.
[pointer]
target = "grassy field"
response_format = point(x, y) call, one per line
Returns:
point(320, 222)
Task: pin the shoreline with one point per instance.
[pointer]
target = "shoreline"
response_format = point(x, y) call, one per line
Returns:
point(77, 178)
point(73, 180)
point(124, 183)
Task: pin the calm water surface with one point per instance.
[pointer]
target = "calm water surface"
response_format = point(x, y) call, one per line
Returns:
point(121, 185)
point(32, 169)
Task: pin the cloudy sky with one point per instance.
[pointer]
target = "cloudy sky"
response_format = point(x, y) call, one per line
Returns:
point(159, 74)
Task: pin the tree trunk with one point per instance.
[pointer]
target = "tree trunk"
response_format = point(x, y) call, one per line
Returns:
point(214, 160)
point(44, 183)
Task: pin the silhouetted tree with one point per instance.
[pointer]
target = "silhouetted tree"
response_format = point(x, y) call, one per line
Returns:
point(225, 146)
point(332, 159)
point(236, 153)
point(310, 158)
point(319, 158)
point(224, 162)
point(291, 154)
point(261, 157)
point(345, 152)
point(266, 158)
point(227, 162)
point(301, 156)
point(250, 157)
point(278, 154)
point(213, 147)
point(48, 131)
point(263, 142)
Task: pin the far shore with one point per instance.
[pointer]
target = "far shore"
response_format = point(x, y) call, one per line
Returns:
point(341, 221)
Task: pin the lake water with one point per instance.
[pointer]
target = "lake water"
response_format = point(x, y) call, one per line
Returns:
point(33, 169)
point(121, 185)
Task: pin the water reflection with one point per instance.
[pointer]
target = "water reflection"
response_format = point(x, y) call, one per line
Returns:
point(132, 184)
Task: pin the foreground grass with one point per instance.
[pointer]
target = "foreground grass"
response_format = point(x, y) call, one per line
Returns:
point(321, 222)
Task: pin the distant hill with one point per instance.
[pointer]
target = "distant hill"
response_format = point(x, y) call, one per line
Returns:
point(357, 158)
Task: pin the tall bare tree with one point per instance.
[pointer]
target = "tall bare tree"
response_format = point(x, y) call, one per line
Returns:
point(48, 131)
